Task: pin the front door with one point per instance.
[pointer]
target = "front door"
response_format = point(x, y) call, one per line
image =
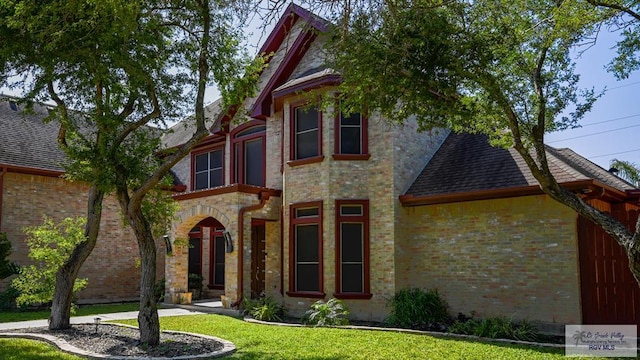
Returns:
point(258, 259)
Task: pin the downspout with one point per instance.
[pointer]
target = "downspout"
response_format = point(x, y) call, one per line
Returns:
point(4, 171)
point(263, 196)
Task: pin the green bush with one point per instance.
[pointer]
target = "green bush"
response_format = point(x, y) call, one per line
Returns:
point(195, 281)
point(50, 245)
point(263, 308)
point(418, 309)
point(7, 267)
point(496, 328)
point(331, 313)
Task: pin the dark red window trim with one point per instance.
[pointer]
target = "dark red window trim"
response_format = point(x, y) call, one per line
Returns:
point(364, 219)
point(215, 232)
point(203, 150)
point(292, 135)
point(242, 140)
point(293, 221)
point(364, 134)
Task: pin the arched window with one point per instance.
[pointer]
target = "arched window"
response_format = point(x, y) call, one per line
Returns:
point(248, 153)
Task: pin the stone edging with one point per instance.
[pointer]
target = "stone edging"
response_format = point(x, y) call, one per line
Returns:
point(227, 349)
point(418, 332)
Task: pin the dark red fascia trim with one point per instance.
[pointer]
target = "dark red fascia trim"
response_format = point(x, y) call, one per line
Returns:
point(31, 171)
point(247, 189)
point(326, 80)
point(584, 187)
point(262, 107)
point(291, 14)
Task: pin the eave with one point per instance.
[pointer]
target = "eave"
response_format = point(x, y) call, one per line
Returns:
point(242, 188)
point(588, 189)
point(31, 170)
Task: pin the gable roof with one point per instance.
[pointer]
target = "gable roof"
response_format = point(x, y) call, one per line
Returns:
point(466, 165)
point(314, 25)
point(26, 141)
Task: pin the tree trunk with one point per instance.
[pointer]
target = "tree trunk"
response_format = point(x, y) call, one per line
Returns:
point(67, 274)
point(148, 316)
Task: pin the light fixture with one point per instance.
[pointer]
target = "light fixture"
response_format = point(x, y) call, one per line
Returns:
point(228, 242)
point(167, 244)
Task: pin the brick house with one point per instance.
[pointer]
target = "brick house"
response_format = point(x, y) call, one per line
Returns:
point(304, 203)
point(31, 187)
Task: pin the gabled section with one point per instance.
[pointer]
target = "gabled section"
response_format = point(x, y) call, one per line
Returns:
point(262, 107)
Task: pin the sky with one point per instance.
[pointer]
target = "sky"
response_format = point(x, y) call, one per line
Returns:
point(611, 130)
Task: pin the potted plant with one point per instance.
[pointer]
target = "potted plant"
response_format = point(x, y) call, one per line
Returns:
point(195, 285)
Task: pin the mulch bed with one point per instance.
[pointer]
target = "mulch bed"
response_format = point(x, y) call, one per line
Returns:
point(124, 341)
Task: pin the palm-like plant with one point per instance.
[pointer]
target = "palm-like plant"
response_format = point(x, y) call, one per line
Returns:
point(626, 170)
point(331, 313)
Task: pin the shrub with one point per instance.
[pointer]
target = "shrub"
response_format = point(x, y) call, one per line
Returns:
point(418, 309)
point(7, 267)
point(331, 313)
point(50, 245)
point(263, 308)
point(497, 327)
point(195, 281)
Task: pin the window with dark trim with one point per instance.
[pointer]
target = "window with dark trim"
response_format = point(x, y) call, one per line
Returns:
point(208, 168)
point(305, 250)
point(352, 249)
point(351, 136)
point(306, 134)
point(248, 154)
point(216, 259)
point(195, 251)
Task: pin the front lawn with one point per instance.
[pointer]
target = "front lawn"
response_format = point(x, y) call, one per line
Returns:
point(256, 341)
point(11, 316)
point(22, 349)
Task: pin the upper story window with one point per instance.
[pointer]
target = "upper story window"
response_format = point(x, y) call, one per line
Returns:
point(248, 154)
point(351, 136)
point(305, 246)
point(207, 168)
point(306, 134)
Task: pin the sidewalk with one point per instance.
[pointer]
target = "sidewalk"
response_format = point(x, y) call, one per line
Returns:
point(175, 311)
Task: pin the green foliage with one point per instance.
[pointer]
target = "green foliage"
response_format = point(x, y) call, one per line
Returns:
point(50, 245)
point(7, 267)
point(195, 281)
point(159, 289)
point(418, 309)
point(627, 170)
point(330, 313)
point(264, 308)
point(496, 328)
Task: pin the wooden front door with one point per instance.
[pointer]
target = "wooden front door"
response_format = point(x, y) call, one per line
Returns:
point(610, 294)
point(258, 259)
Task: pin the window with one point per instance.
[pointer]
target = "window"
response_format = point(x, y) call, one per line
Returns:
point(306, 134)
point(249, 154)
point(305, 250)
point(208, 169)
point(195, 250)
point(351, 136)
point(352, 249)
point(216, 259)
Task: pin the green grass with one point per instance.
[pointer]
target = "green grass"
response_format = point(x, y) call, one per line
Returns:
point(82, 311)
point(255, 341)
point(21, 349)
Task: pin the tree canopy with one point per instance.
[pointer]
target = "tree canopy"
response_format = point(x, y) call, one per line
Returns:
point(500, 68)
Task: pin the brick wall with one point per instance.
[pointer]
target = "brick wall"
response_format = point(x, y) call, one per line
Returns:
point(111, 268)
point(515, 256)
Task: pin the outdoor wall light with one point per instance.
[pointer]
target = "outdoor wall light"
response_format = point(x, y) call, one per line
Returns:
point(228, 242)
point(167, 244)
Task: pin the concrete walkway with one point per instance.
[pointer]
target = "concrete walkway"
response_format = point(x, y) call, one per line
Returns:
point(91, 318)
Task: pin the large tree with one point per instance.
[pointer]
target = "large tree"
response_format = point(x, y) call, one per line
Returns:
point(498, 67)
point(113, 68)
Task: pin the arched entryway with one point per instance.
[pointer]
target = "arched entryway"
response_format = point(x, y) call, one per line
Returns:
point(206, 257)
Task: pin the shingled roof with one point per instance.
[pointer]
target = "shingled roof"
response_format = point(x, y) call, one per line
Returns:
point(466, 163)
point(25, 140)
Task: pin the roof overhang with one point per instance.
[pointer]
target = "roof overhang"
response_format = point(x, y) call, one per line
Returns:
point(588, 189)
point(31, 170)
point(242, 188)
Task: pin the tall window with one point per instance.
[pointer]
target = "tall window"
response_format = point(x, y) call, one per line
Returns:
point(208, 169)
point(249, 154)
point(195, 250)
point(351, 136)
point(305, 250)
point(352, 249)
point(216, 259)
point(306, 133)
